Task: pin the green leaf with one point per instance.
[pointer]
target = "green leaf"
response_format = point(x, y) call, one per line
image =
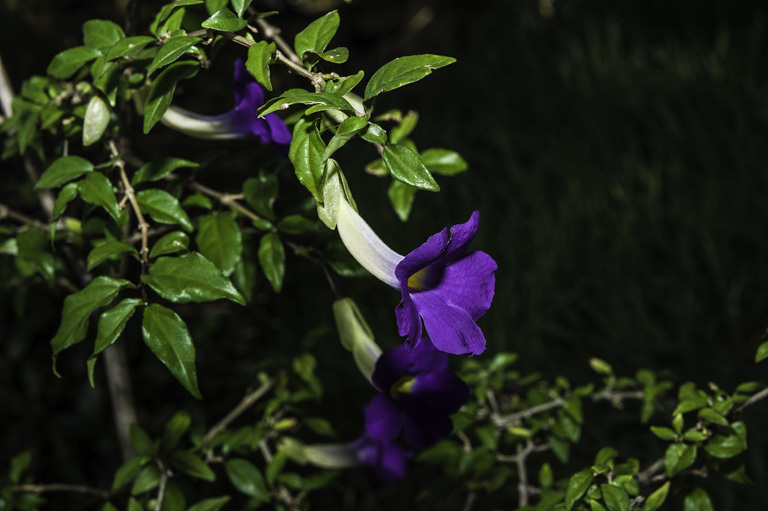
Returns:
point(402, 71)
point(167, 10)
point(171, 243)
point(101, 34)
point(33, 254)
point(605, 455)
point(615, 497)
point(224, 20)
point(175, 428)
point(698, 500)
point(678, 457)
point(111, 325)
point(161, 92)
point(164, 208)
point(190, 278)
point(257, 62)
point(77, 311)
point(147, 479)
point(275, 466)
point(128, 47)
point(192, 465)
point(577, 486)
point(240, 6)
point(127, 471)
point(107, 250)
point(212, 504)
point(174, 498)
point(171, 50)
point(546, 477)
point(407, 125)
point(68, 62)
point(664, 433)
point(710, 415)
point(96, 120)
point(375, 134)
point(657, 498)
point(296, 96)
point(724, 447)
point(97, 190)
point(247, 479)
point(141, 441)
point(320, 426)
point(337, 55)
point(406, 166)
point(596, 506)
point(317, 35)
point(443, 161)
point(213, 6)
point(333, 186)
point(762, 352)
point(346, 130)
point(63, 170)
point(272, 259)
point(19, 464)
point(260, 193)
point(600, 366)
point(167, 336)
point(219, 240)
point(159, 168)
point(306, 154)
point(344, 85)
point(295, 224)
point(401, 196)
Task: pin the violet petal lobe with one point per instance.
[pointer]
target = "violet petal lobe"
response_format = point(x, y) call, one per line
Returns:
point(469, 283)
point(397, 362)
point(388, 460)
point(423, 428)
point(408, 321)
point(383, 418)
point(450, 328)
point(440, 390)
point(245, 89)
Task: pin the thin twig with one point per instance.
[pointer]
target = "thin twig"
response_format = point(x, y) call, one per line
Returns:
point(59, 487)
point(646, 475)
point(514, 418)
point(246, 403)
point(129, 192)
point(6, 212)
point(163, 486)
point(272, 32)
point(752, 400)
point(227, 200)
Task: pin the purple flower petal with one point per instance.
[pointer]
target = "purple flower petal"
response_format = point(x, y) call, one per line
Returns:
point(244, 88)
point(388, 460)
point(450, 328)
point(408, 321)
point(423, 428)
point(420, 258)
point(383, 419)
point(397, 362)
point(469, 283)
point(441, 391)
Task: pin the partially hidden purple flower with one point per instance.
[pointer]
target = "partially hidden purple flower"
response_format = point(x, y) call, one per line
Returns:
point(388, 460)
point(441, 282)
point(241, 122)
point(418, 395)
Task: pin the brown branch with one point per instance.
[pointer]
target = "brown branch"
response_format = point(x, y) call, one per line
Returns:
point(272, 32)
point(528, 413)
point(163, 486)
point(752, 400)
point(59, 487)
point(6, 212)
point(129, 192)
point(246, 403)
point(226, 199)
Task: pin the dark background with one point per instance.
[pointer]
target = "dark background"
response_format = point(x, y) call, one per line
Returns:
point(617, 155)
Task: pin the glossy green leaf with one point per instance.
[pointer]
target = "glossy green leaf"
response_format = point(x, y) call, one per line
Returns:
point(247, 479)
point(344, 133)
point(189, 278)
point(240, 6)
point(175, 428)
point(171, 51)
point(698, 500)
point(96, 120)
point(724, 447)
point(664, 433)
point(615, 497)
point(443, 161)
point(68, 62)
point(107, 250)
point(596, 506)
point(219, 240)
point(577, 486)
point(300, 96)
point(147, 479)
point(762, 352)
point(213, 6)
point(272, 259)
point(224, 20)
point(407, 124)
point(97, 190)
point(344, 85)
point(260, 192)
point(161, 92)
point(306, 154)
point(678, 457)
point(164, 208)
point(159, 168)
point(167, 336)
point(710, 415)
point(171, 243)
point(605, 455)
point(402, 71)
point(317, 35)
point(406, 166)
point(78, 308)
point(337, 55)
point(101, 34)
point(212, 504)
point(657, 498)
point(375, 134)
point(111, 325)
point(259, 56)
point(401, 196)
point(63, 170)
point(128, 47)
point(166, 11)
point(198, 200)
point(192, 465)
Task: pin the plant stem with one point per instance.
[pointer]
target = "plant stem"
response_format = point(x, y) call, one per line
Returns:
point(246, 403)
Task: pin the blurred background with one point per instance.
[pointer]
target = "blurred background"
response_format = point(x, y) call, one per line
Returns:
point(617, 154)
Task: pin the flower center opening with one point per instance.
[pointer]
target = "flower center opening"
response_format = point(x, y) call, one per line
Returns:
point(425, 278)
point(402, 386)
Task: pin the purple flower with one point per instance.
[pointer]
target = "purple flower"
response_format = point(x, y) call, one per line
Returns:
point(240, 122)
point(418, 395)
point(441, 282)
